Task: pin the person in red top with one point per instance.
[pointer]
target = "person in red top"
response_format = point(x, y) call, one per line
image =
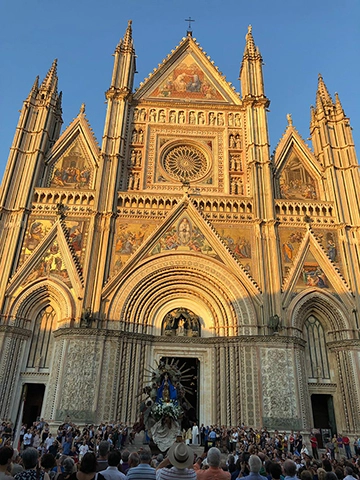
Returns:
point(314, 446)
point(346, 443)
point(214, 472)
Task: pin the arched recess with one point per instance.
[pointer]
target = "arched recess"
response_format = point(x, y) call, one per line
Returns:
point(330, 312)
point(37, 296)
point(203, 285)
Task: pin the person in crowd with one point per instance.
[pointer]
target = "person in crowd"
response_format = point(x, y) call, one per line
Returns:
point(124, 466)
point(134, 460)
point(289, 469)
point(181, 458)
point(255, 465)
point(102, 463)
point(31, 471)
point(6, 454)
point(143, 471)
point(112, 472)
point(214, 472)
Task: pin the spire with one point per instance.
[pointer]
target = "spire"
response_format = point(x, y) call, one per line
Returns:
point(35, 88)
point(50, 81)
point(323, 97)
point(251, 77)
point(250, 48)
point(338, 107)
point(128, 41)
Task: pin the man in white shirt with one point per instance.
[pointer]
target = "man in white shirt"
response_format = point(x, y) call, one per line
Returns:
point(49, 440)
point(112, 472)
point(27, 439)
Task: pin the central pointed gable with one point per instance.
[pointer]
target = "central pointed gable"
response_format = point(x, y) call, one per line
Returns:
point(184, 231)
point(188, 74)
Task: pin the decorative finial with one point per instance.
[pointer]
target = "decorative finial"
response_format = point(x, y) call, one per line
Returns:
point(61, 210)
point(250, 29)
point(189, 31)
point(289, 119)
point(82, 109)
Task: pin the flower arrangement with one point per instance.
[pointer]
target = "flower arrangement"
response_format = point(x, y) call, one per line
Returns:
point(166, 409)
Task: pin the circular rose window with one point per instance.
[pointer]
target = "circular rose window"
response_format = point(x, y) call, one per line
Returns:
point(185, 163)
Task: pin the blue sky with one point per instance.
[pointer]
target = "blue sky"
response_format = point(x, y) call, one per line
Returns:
point(297, 39)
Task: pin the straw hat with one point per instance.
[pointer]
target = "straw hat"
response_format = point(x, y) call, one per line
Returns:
point(181, 456)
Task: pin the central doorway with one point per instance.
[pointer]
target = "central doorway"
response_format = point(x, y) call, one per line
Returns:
point(192, 368)
point(34, 396)
point(324, 416)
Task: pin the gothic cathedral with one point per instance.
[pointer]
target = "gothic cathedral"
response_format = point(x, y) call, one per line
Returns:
point(181, 238)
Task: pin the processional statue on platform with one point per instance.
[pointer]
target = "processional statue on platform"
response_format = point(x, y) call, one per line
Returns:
point(166, 412)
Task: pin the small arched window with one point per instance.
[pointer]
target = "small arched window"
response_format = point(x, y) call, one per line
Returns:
point(40, 347)
point(316, 349)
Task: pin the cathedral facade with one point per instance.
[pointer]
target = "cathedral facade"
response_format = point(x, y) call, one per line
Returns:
point(181, 238)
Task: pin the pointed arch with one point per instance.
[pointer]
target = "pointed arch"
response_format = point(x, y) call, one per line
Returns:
point(204, 286)
point(323, 306)
point(38, 296)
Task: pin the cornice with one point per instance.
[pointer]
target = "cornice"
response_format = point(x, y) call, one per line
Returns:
point(174, 104)
point(345, 344)
point(273, 340)
point(15, 331)
point(322, 386)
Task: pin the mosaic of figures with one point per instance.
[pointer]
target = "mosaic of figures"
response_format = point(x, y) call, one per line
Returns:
point(312, 275)
point(181, 322)
point(128, 238)
point(296, 182)
point(329, 241)
point(290, 241)
point(187, 80)
point(78, 232)
point(238, 240)
point(36, 231)
point(73, 171)
point(181, 116)
point(39, 227)
point(184, 236)
point(51, 264)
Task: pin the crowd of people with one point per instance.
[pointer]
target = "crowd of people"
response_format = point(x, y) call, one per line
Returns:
point(102, 452)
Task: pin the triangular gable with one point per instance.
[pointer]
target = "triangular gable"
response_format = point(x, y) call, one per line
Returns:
point(296, 169)
point(188, 74)
point(52, 258)
point(73, 160)
point(185, 231)
point(312, 268)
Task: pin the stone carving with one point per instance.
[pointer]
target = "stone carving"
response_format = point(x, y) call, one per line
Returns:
point(279, 400)
point(181, 322)
point(80, 389)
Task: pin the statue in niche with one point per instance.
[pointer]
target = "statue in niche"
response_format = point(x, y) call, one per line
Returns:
point(181, 322)
point(275, 324)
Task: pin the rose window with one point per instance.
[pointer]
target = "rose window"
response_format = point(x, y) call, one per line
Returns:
point(185, 162)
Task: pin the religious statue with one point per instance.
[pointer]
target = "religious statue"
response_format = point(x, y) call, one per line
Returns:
point(164, 408)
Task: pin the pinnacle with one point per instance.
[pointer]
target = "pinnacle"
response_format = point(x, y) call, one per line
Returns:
point(323, 97)
point(35, 88)
point(338, 106)
point(50, 81)
point(128, 41)
point(250, 48)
